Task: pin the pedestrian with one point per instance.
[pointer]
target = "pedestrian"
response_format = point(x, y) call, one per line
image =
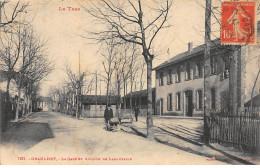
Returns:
point(136, 111)
point(108, 114)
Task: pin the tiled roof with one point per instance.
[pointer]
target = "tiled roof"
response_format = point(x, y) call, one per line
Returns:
point(185, 55)
point(45, 99)
point(256, 101)
point(101, 99)
point(139, 93)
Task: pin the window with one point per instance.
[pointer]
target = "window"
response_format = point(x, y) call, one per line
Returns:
point(199, 100)
point(188, 74)
point(169, 77)
point(226, 70)
point(213, 98)
point(178, 77)
point(161, 79)
point(213, 65)
point(161, 106)
point(178, 101)
point(199, 70)
point(86, 107)
point(169, 102)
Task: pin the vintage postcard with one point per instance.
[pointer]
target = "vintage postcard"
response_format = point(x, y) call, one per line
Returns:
point(129, 82)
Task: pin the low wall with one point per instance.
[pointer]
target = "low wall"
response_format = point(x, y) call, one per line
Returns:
point(143, 112)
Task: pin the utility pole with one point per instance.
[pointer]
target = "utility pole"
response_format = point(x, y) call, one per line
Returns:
point(100, 86)
point(0, 15)
point(96, 94)
point(78, 91)
point(207, 71)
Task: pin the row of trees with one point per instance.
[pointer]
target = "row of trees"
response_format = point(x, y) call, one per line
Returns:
point(24, 59)
point(124, 68)
point(133, 22)
point(67, 97)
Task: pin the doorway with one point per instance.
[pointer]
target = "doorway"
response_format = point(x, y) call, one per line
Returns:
point(188, 103)
point(161, 107)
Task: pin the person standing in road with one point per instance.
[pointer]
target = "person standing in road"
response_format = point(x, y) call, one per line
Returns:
point(136, 111)
point(108, 115)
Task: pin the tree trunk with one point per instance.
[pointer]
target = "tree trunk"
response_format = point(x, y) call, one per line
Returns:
point(7, 89)
point(24, 108)
point(7, 98)
point(108, 83)
point(18, 104)
point(118, 99)
point(233, 81)
point(31, 103)
point(150, 134)
point(131, 90)
point(207, 71)
point(124, 95)
point(28, 104)
point(140, 101)
point(77, 104)
point(253, 89)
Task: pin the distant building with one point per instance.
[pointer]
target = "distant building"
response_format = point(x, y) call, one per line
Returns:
point(45, 103)
point(94, 106)
point(139, 99)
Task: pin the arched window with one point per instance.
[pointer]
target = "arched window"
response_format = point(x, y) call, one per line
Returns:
point(169, 77)
point(178, 73)
point(178, 101)
point(169, 102)
point(161, 79)
point(213, 98)
point(188, 74)
point(199, 99)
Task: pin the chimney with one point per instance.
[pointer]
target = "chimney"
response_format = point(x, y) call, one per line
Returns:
point(190, 44)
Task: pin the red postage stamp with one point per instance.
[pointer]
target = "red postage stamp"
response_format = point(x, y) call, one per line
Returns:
point(238, 23)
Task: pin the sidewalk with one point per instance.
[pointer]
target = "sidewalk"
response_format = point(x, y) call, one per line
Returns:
point(12, 123)
point(187, 135)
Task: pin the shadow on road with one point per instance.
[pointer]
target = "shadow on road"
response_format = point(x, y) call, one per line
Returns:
point(192, 147)
point(27, 134)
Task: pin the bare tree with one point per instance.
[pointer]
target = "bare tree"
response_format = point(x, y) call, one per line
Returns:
point(10, 50)
point(14, 10)
point(77, 81)
point(108, 63)
point(32, 65)
point(130, 21)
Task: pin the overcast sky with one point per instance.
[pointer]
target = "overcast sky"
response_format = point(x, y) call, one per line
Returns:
point(62, 29)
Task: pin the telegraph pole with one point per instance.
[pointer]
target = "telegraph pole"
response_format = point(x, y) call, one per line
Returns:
point(207, 71)
point(0, 15)
point(96, 94)
point(78, 91)
point(79, 88)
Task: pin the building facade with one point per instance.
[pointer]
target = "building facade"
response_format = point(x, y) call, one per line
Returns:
point(180, 81)
point(95, 105)
point(139, 99)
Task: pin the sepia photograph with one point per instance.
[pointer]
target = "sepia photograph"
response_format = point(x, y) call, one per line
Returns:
point(130, 82)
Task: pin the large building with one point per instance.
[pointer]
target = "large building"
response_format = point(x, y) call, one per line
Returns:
point(180, 80)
